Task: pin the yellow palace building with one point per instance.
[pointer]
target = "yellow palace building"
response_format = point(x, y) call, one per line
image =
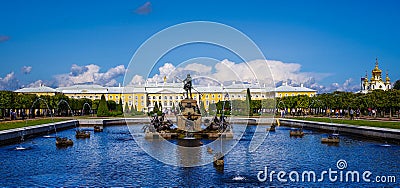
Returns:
point(144, 96)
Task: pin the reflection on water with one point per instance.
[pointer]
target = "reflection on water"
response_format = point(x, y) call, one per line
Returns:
point(113, 158)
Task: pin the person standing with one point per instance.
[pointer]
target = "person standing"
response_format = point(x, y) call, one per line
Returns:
point(358, 112)
point(351, 114)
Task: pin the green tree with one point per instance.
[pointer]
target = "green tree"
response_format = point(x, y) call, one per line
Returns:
point(212, 109)
point(248, 102)
point(103, 107)
point(174, 108)
point(127, 108)
point(95, 104)
point(255, 105)
point(112, 105)
point(155, 109)
point(119, 106)
point(159, 107)
point(202, 108)
point(397, 85)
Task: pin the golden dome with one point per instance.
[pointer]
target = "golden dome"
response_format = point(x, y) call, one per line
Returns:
point(366, 77)
point(376, 69)
point(387, 77)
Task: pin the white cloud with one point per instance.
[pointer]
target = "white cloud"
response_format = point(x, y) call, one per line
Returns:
point(9, 82)
point(90, 74)
point(137, 79)
point(26, 69)
point(348, 85)
point(197, 67)
point(224, 72)
point(171, 72)
point(77, 70)
point(227, 71)
point(37, 83)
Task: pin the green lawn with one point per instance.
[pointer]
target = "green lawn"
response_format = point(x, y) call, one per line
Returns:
point(26, 123)
point(369, 123)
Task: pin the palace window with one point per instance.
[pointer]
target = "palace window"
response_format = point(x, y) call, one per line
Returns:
point(141, 97)
point(159, 97)
point(110, 97)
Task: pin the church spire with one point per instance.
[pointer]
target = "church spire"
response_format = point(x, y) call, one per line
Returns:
point(376, 62)
point(387, 77)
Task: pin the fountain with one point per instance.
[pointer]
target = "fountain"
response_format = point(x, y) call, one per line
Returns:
point(59, 141)
point(79, 133)
point(238, 177)
point(20, 147)
point(98, 128)
point(51, 115)
point(48, 134)
point(188, 129)
point(83, 109)
point(90, 108)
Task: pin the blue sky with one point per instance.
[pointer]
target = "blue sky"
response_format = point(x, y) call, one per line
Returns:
point(59, 39)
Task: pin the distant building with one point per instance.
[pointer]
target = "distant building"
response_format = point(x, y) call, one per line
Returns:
point(376, 81)
point(41, 90)
point(285, 91)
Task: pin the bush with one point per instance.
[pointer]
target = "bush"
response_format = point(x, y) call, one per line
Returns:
point(115, 113)
point(103, 108)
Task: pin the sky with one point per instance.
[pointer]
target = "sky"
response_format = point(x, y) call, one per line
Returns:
point(327, 45)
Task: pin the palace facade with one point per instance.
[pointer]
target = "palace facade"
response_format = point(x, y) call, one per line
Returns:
point(144, 96)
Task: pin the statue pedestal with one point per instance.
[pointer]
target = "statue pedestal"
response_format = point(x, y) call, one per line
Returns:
point(189, 119)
